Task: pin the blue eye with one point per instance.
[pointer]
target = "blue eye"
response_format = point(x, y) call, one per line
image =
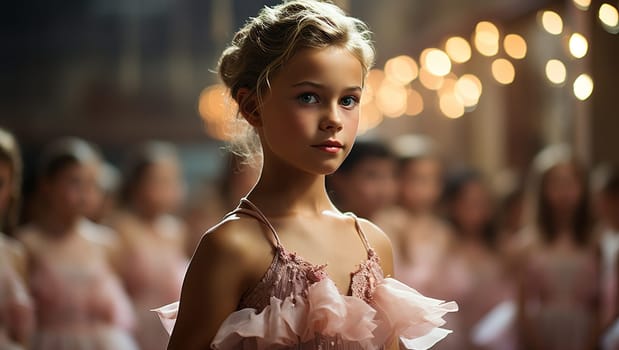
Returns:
point(349, 101)
point(308, 98)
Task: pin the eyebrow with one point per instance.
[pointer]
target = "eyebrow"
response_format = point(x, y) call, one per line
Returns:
point(321, 86)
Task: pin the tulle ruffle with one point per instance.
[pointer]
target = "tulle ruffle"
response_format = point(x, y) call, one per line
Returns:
point(396, 310)
point(404, 312)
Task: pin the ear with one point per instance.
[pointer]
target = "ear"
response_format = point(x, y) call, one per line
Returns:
point(249, 107)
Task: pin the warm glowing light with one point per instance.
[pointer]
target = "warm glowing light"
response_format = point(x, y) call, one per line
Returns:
point(451, 106)
point(401, 69)
point(458, 49)
point(414, 103)
point(503, 71)
point(369, 118)
point(212, 109)
point(468, 89)
point(436, 62)
point(487, 38)
point(609, 17)
point(583, 87)
point(375, 77)
point(372, 83)
point(391, 99)
point(515, 46)
point(578, 45)
point(582, 4)
point(555, 71)
point(430, 81)
point(552, 22)
point(449, 85)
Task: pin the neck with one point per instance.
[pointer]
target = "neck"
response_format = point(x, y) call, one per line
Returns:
point(285, 191)
point(57, 225)
point(145, 215)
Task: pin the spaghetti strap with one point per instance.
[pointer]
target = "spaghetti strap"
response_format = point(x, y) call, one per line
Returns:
point(362, 235)
point(254, 212)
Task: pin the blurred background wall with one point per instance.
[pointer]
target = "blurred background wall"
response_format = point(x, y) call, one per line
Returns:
point(117, 72)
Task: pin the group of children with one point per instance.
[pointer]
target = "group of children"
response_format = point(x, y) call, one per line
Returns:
point(68, 282)
point(532, 268)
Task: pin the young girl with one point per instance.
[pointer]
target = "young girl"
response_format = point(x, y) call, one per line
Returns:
point(16, 310)
point(151, 258)
point(421, 239)
point(286, 269)
point(80, 302)
point(477, 276)
point(560, 282)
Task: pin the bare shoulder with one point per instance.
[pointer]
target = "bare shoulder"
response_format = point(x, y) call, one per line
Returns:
point(228, 260)
point(237, 245)
point(380, 242)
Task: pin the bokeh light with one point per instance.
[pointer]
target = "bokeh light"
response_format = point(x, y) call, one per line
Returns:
point(486, 38)
point(430, 81)
point(450, 106)
point(436, 62)
point(458, 49)
point(212, 106)
point(582, 4)
point(391, 99)
point(552, 22)
point(468, 89)
point(556, 71)
point(609, 17)
point(401, 69)
point(503, 71)
point(578, 45)
point(414, 103)
point(515, 46)
point(369, 118)
point(583, 87)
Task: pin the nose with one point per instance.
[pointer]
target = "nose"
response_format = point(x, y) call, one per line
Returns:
point(331, 120)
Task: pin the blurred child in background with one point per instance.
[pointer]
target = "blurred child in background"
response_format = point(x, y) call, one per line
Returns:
point(364, 184)
point(419, 236)
point(606, 195)
point(559, 286)
point(80, 302)
point(477, 276)
point(152, 257)
point(16, 309)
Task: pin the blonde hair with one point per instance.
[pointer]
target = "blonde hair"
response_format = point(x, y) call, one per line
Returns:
point(266, 42)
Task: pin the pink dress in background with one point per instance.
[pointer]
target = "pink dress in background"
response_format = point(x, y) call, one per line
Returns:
point(80, 305)
point(16, 310)
point(153, 268)
point(297, 306)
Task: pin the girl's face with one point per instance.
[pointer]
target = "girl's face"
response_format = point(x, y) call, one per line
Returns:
point(421, 184)
point(70, 190)
point(562, 188)
point(6, 186)
point(309, 118)
point(160, 189)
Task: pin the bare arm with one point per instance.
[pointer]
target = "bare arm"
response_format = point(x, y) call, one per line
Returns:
point(214, 283)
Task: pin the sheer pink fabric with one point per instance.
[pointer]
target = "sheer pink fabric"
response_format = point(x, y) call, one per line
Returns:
point(297, 306)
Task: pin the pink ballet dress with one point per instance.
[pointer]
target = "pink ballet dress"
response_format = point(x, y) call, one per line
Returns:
point(297, 306)
point(80, 306)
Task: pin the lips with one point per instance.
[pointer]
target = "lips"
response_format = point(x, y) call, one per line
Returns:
point(330, 146)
